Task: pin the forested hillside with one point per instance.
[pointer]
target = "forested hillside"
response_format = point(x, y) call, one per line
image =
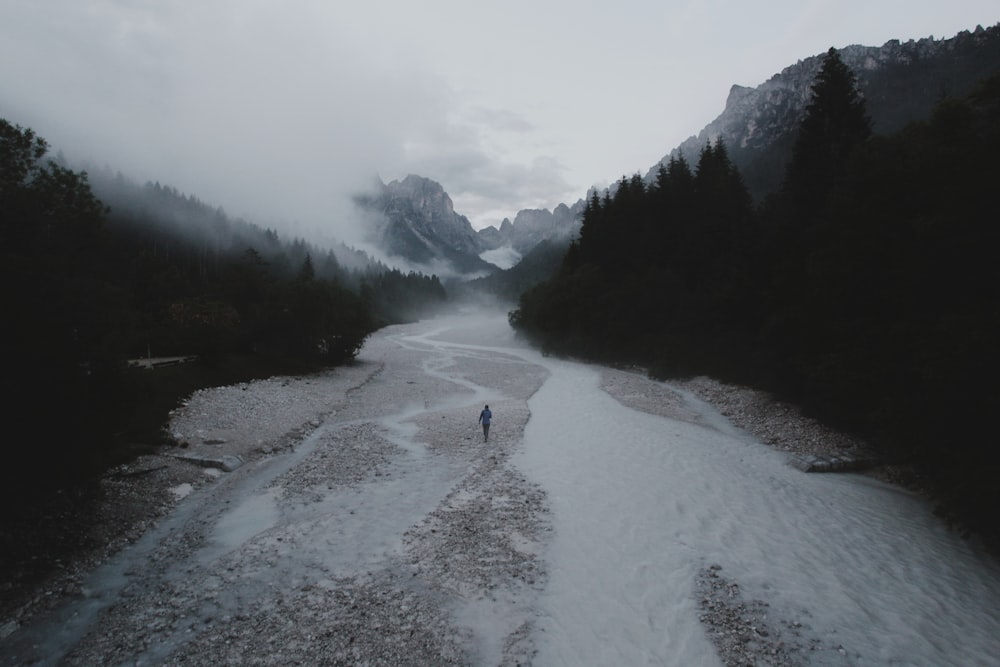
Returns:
point(901, 83)
point(87, 288)
point(866, 290)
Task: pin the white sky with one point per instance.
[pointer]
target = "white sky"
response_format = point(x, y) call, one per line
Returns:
point(276, 110)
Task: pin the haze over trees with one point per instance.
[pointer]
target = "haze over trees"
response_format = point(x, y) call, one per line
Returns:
point(866, 289)
point(86, 289)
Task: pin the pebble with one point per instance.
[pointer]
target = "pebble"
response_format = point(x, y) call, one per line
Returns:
point(482, 541)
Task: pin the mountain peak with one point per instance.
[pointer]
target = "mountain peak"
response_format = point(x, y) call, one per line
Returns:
point(532, 226)
point(416, 221)
point(901, 83)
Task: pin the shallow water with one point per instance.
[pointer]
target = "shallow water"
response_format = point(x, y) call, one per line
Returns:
point(642, 502)
point(639, 504)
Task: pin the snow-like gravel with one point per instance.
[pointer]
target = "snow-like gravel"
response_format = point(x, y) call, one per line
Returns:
point(356, 517)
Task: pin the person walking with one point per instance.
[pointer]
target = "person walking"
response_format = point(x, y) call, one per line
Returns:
point(484, 418)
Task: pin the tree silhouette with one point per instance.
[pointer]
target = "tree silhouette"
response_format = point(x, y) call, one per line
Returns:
point(835, 123)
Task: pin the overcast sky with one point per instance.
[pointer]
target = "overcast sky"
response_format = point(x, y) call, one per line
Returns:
point(274, 110)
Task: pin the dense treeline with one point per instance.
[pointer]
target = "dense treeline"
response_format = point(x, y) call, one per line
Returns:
point(905, 86)
point(86, 289)
point(178, 229)
point(867, 289)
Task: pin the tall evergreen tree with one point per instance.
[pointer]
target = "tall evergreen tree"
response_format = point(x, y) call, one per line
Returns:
point(308, 272)
point(835, 123)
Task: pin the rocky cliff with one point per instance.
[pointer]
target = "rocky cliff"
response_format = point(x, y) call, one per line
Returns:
point(414, 219)
point(533, 226)
point(900, 81)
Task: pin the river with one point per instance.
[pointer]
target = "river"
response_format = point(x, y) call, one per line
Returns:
point(580, 534)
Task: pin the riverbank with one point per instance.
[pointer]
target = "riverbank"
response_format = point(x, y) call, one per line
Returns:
point(743, 629)
point(51, 553)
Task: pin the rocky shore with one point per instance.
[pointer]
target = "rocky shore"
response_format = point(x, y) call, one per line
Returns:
point(742, 629)
point(244, 423)
point(784, 427)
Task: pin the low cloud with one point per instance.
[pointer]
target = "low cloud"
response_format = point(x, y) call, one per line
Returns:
point(274, 116)
point(484, 175)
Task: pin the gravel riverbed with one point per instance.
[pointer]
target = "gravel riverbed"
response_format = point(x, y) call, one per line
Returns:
point(294, 594)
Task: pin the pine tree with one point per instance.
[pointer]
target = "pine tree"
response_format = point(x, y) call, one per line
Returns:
point(835, 123)
point(308, 272)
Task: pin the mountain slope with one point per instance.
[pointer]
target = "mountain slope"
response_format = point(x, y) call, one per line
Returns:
point(534, 226)
point(414, 219)
point(538, 265)
point(901, 82)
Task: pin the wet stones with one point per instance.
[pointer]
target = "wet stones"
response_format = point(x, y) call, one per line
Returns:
point(742, 629)
point(813, 446)
point(817, 463)
point(347, 456)
point(378, 621)
point(484, 539)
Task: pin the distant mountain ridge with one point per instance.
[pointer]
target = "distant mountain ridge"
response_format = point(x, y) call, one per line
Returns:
point(900, 81)
point(533, 226)
point(415, 219)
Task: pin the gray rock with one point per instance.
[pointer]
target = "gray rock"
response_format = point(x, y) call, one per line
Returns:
point(228, 462)
point(842, 463)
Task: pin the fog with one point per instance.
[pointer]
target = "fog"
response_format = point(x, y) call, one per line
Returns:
point(278, 113)
point(285, 154)
point(277, 117)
